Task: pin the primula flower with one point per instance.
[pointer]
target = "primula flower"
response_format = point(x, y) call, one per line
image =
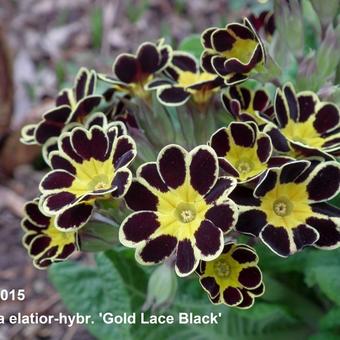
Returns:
point(232, 52)
point(233, 278)
point(187, 81)
point(243, 151)
point(89, 165)
point(44, 243)
point(246, 105)
point(305, 125)
point(72, 105)
point(97, 118)
point(287, 212)
point(181, 209)
point(133, 72)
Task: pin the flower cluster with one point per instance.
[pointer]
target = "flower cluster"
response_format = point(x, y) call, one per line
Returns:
point(269, 174)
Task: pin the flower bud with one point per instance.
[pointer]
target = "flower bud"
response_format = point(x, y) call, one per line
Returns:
point(162, 288)
point(328, 54)
point(97, 236)
point(326, 11)
point(289, 23)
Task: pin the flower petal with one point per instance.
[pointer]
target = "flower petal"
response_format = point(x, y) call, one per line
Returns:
point(328, 229)
point(156, 250)
point(307, 101)
point(172, 166)
point(210, 285)
point(39, 244)
point(264, 148)
point(267, 184)
point(244, 255)
point(125, 68)
point(251, 221)
point(291, 171)
point(59, 162)
point(250, 277)
point(222, 40)
point(304, 236)
point(232, 296)
point(281, 109)
point(121, 182)
point(124, 151)
point(58, 201)
point(219, 141)
point(277, 239)
point(186, 261)
point(86, 143)
point(327, 118)
point(139, 197)
point(324, 182)
point(221, 190)
point(138, 227)
point(243, 134)
point(209, 240)
point(149, 172)
point(56, 180)
point(223, 216)
point(247, 300)
point(35, 215)
point(279, 141)
point(74, 217)
point(173, 95)
point(203, 169)
point(85, 106)
point(206, 37)
point(184, 61)
point(148, 57)
point(291, 100)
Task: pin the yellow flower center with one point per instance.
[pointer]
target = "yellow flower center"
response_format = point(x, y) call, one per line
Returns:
point(180, 212)
point(304, 133)
point(282, 207)
point(287, 205)
point(242, 50)
point(59, 238)
point(185, 212)
point(99, 182)
point(92, 175)
point(244, 166)
point(222, 268)
point(187, 78)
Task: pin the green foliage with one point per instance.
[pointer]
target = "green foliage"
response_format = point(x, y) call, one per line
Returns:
point(90, 291)
point(135, 9)
point(118, 284)
point(96, 21)
point(192, 44)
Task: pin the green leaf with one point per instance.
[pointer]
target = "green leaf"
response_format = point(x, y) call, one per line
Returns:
point(327, 278)
point(331, 320)
point(325, 336)
point(134, 277)
point(90, 291)
point(96, 21)
point(192, 44)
